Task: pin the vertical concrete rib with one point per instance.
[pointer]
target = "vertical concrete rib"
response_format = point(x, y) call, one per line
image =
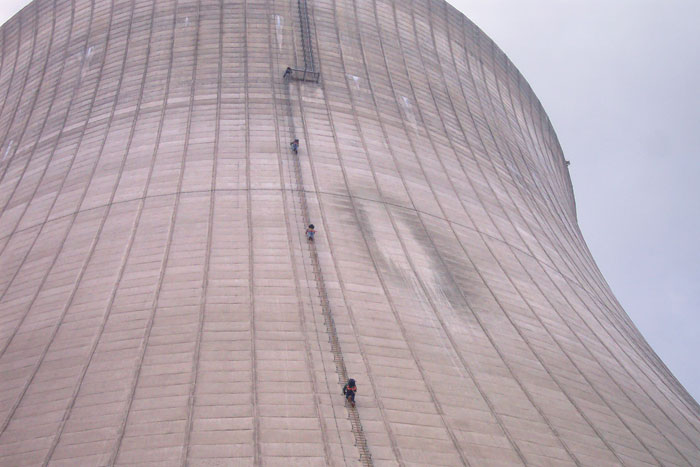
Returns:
point(67, 79)
point(21, 101)
point(45, 69)
point(6, 63)
point(257, 456)
point(192, 396)
point(14, 95)
point(27, 204)
point(83, 125)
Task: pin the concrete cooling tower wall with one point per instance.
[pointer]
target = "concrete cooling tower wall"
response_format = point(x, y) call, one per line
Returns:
point(160, 303)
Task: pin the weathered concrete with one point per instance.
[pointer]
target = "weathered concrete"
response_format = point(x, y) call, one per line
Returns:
point(159, 302)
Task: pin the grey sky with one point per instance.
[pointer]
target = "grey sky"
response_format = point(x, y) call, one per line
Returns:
point(9, 7)
point(619, 81)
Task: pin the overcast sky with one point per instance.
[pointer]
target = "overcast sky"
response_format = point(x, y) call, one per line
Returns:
point(620, 81)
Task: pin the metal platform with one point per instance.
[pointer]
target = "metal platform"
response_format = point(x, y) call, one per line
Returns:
point(302, 75)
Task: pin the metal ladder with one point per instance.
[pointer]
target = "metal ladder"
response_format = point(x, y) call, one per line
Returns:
point(308, 73)
point(306, 43)
point(340, 368)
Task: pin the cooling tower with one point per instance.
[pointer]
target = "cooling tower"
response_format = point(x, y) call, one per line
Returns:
point(161, 304)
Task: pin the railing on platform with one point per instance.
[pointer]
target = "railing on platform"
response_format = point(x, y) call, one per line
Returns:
point(308, 73)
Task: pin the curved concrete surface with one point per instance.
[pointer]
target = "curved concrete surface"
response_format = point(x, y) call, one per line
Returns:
point(159, 303)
